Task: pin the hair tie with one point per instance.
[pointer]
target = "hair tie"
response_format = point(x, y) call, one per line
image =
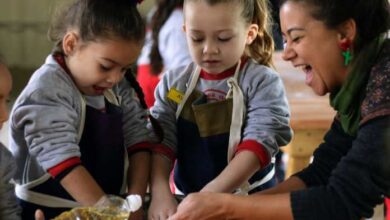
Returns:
point(136, 2)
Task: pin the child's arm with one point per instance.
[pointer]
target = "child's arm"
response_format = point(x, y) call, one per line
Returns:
point(138, 173)
point(266, 128)
point(239, 170)
point(138, 177)
point(163, 203)
point(82, 187)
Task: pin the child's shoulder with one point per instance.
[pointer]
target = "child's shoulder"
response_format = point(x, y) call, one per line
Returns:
point(5, 156)
point(179, 75)
point(50, 76)
point(255, 71)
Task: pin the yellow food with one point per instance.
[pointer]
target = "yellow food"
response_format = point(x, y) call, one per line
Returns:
point(87, 213)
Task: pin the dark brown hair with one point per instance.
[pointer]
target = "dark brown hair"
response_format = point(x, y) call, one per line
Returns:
point(371, 16)
point(163, 11)
point(98, 19)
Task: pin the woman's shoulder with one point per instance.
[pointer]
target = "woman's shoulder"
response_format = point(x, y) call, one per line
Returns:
point(377, 99)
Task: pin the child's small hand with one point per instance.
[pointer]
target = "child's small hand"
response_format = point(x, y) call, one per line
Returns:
point(39, 215)
point(138, 215)
point(162, 206)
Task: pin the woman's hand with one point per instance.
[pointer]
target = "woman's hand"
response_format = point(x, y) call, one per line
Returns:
point(204, 205)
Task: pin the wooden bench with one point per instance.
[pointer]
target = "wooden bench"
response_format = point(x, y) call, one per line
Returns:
point(311, 116)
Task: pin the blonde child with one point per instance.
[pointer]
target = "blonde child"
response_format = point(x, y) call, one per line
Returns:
point(9, 208)
point(225, 115)
point(78, 131)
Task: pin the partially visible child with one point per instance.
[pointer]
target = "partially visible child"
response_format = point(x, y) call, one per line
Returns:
point(226, 114)
point(165, 46)
point(78, 131)
point(9, 208)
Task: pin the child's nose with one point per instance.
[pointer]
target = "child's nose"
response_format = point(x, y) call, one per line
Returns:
point(115, 77)
point(210, 48)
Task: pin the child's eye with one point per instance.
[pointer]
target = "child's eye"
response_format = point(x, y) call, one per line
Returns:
point(197, 40)
point(105, 68)
point(124, 70)
point(224, 39)
point(8, 101)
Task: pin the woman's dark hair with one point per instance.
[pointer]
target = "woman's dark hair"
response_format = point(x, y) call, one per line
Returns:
point(371, 16)
point(163, 11)
point(99, 19)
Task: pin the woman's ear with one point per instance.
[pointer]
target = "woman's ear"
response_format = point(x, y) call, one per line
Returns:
point(252, 33)
point(347, 31)
point(69, 42)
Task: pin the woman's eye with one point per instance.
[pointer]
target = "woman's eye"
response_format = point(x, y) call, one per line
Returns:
point(296, 39)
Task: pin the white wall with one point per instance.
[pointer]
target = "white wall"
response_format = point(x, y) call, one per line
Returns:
point(23, 30)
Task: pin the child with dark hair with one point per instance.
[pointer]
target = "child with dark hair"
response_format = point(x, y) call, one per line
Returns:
point(78, 130)
point(9, 208)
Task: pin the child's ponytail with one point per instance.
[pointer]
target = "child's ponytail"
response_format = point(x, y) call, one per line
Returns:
point(134, 84)
point(262, 47)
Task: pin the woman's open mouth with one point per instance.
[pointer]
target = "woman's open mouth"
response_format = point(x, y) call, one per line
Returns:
point(308, 70)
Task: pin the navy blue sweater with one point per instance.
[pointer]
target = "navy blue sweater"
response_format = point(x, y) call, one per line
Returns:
point(350, 175)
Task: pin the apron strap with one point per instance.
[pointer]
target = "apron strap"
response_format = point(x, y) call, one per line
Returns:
point(246, 187)
point(238, 113)
point(191, 87)
point(82, 119)
point(23, 192)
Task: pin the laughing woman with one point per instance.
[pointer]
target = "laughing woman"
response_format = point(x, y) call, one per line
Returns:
point(343, 48)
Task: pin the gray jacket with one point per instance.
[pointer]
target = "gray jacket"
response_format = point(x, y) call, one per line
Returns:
point(46, 116)
point(267, 116)
point(9, 208)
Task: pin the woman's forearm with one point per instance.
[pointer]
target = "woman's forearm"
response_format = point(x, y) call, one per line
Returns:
point(291, 184)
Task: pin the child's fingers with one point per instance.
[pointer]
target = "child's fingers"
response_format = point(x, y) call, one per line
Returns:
point(39, 215)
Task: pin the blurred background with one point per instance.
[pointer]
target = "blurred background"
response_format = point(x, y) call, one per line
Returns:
point(23, 34)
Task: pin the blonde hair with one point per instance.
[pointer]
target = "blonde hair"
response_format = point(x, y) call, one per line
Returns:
point(255, 12)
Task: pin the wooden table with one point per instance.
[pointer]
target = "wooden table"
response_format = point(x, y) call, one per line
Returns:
point(311, 116)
